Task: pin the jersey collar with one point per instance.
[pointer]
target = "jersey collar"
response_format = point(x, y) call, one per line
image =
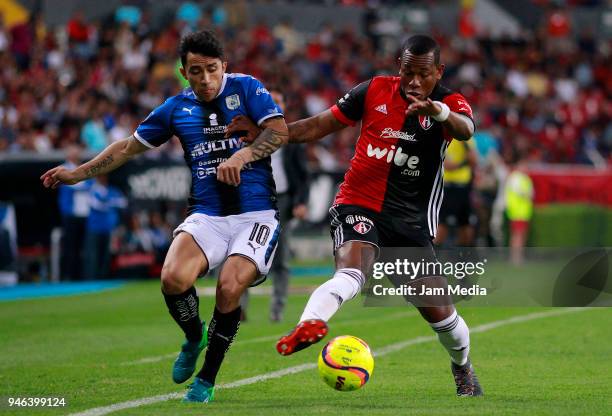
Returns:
point(222, 85)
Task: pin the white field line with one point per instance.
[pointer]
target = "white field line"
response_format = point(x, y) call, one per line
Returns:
point(104, 410)
point(158, 358)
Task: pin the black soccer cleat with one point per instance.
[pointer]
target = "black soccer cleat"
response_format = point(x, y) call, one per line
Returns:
point(466, 380)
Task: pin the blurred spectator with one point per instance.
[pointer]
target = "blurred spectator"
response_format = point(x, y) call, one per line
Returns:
point(8, 244)
point(290, 41)
point(105, 202)
point(219, 16)
point(190, 13)
point(161, 235)
point(138, 237)
point(519, 208)
point(124, 127)
point(558, 23)
point(129, 14)
point(4, 36)
point(94, 134)
point(23, 38)
point(457, 211)
point(467, 27)
point(74, 209)
point(79, 35)
point(486, 183)
point(237, 13)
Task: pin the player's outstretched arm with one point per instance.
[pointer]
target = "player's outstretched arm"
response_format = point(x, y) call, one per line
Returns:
point(302, 131)
point(314, 128)
point(115, 155)
point(273, 136)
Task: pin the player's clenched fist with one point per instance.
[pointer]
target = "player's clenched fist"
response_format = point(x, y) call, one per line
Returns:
point(59, 174)
point(229, 171)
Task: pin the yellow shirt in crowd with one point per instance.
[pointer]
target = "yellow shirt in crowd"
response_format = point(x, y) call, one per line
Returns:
point(458, 153)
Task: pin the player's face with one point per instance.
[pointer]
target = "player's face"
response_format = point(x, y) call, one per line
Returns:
point(205, 75)
point(419, 74)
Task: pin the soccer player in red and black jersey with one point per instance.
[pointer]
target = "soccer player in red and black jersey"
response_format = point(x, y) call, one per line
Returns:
point(392, 192)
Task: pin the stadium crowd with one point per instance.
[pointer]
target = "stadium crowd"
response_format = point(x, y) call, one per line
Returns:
point(543, 96)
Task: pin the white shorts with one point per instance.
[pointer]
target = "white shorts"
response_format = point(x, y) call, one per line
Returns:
point(252, 234)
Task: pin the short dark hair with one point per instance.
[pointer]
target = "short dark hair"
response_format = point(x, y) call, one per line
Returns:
point(422, 44)
point(204, 42)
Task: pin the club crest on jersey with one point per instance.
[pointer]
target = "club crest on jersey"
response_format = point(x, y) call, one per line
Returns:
point(232, 101)
point(425, 122)
point(362, 227)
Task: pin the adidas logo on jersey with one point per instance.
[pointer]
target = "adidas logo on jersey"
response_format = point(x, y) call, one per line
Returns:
point(381, 108)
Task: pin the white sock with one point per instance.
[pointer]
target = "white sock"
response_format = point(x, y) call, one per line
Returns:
point(327, 298)
point(454, 334)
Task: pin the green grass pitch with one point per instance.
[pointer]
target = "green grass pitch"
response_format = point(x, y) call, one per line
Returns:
point(101, 349)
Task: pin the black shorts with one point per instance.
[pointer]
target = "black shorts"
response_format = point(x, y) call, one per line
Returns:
point(354, 223)
point(392, 237)
point(457, 207)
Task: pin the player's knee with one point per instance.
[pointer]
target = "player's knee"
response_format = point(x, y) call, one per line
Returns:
point(436, 314)
point(229, 291)
point(172, 280)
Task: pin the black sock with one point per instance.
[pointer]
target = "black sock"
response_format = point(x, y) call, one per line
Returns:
point(221, 332)
point(184, 308)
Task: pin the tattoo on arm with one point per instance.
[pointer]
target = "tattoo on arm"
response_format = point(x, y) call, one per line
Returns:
point(98, 167)
point(267, 142)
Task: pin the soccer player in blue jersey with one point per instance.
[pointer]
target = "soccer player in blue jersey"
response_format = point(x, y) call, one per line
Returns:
point(235, 223)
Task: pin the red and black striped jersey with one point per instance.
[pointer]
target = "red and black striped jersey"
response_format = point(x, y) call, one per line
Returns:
point(397, 168)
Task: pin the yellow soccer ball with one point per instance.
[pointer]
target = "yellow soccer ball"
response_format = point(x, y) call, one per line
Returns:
point(346, 363)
